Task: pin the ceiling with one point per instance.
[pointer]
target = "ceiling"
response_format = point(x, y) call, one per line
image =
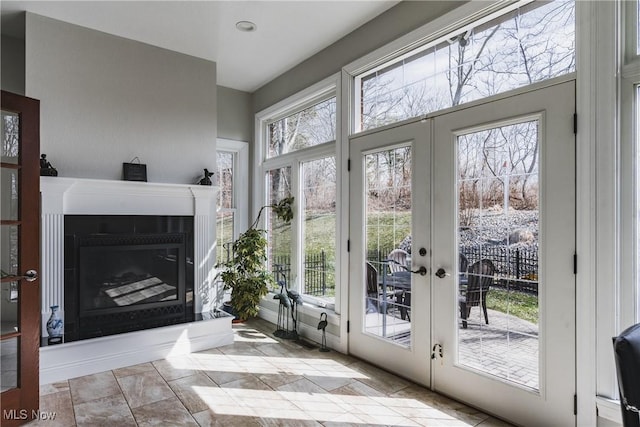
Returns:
point(287, 33)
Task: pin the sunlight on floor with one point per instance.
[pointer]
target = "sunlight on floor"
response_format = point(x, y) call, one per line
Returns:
point(256, 381)
point(265, 365)
point(318, 406)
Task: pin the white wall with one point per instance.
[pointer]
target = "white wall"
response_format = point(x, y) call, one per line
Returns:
point(106, 99)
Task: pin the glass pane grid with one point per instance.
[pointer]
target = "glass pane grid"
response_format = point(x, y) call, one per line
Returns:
point(498, 213)
point(387, 309)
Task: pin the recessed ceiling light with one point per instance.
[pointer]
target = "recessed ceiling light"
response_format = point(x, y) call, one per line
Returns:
point(246, 26)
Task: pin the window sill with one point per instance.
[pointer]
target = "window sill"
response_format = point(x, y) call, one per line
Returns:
point(313, 309)
point(609, 409)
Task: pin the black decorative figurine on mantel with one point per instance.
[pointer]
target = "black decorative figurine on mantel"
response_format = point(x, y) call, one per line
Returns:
point(207, 178)
point(45, 167)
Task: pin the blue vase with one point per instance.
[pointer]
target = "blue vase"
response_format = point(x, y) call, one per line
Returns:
point(54, 324)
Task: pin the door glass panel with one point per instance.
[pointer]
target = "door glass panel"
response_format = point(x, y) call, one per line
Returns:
point(10, 137)
point(9, 308)
point(9, 364)
point(9, 250)
point(9, 188)
point(498, 216)
point(387, 309)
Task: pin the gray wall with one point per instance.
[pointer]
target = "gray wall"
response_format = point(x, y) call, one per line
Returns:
point(395, 22)
point(235, 116)
point(12, 62)
point(105, 100)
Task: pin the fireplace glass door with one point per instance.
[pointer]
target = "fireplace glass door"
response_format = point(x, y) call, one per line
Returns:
point(118, 277)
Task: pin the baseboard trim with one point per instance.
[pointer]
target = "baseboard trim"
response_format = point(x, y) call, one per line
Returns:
point(304, 330)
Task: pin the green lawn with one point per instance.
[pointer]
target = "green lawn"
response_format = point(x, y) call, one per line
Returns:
point(386, 230)
point(524, 306)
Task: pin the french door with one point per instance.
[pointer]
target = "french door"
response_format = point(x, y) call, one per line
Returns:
point(390, 305)
point(19, 258)
point(483, 197)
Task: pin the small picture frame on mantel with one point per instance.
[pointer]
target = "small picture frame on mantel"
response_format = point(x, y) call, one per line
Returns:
point(134, 171)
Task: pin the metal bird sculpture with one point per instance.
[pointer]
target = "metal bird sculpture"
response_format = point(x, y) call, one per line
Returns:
point(284, 306)
point(296, 300)
point(322, 326)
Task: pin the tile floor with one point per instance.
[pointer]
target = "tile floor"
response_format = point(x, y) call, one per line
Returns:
point(257, 381)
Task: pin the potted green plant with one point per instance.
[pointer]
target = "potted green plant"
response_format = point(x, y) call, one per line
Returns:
point(245, 271)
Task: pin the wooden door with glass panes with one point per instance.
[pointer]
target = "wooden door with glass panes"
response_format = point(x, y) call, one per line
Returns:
point(20, 259)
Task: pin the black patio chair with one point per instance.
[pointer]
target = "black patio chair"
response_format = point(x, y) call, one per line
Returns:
point(375, 301)
point(463, 265)
point(480, 279)
point(626, 347)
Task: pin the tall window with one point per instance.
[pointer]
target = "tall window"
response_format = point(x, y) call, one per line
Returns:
point(300, 160)
point(530, 44)
point(226, 206)
point(231, 204)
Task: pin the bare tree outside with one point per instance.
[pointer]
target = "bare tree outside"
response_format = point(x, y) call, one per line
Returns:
point(225, 204)
point(531, 44)
point(10, 135)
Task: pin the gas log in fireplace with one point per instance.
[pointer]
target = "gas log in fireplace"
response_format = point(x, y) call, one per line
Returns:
point(126, 273)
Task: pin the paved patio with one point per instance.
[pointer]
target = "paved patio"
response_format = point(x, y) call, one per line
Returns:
point(507, 347)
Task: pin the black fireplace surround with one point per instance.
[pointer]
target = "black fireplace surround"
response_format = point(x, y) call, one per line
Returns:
point(126, 273)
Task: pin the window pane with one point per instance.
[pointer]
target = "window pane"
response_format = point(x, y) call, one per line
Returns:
point(319, 228)
point(498, 220)
point(531, 44)
point(637, 207)
point(279, 233)
point(9, 194)
point(10, 137)
point(387, 305)
point(225, 179)
point(9, 353)
point(306, 128)
point(9, 249)
point(224, 234)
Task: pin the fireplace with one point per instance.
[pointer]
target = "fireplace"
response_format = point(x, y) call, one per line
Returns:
point(125, 209)
point(126, 273)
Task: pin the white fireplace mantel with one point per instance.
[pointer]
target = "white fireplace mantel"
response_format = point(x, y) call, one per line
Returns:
point(76, 196)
